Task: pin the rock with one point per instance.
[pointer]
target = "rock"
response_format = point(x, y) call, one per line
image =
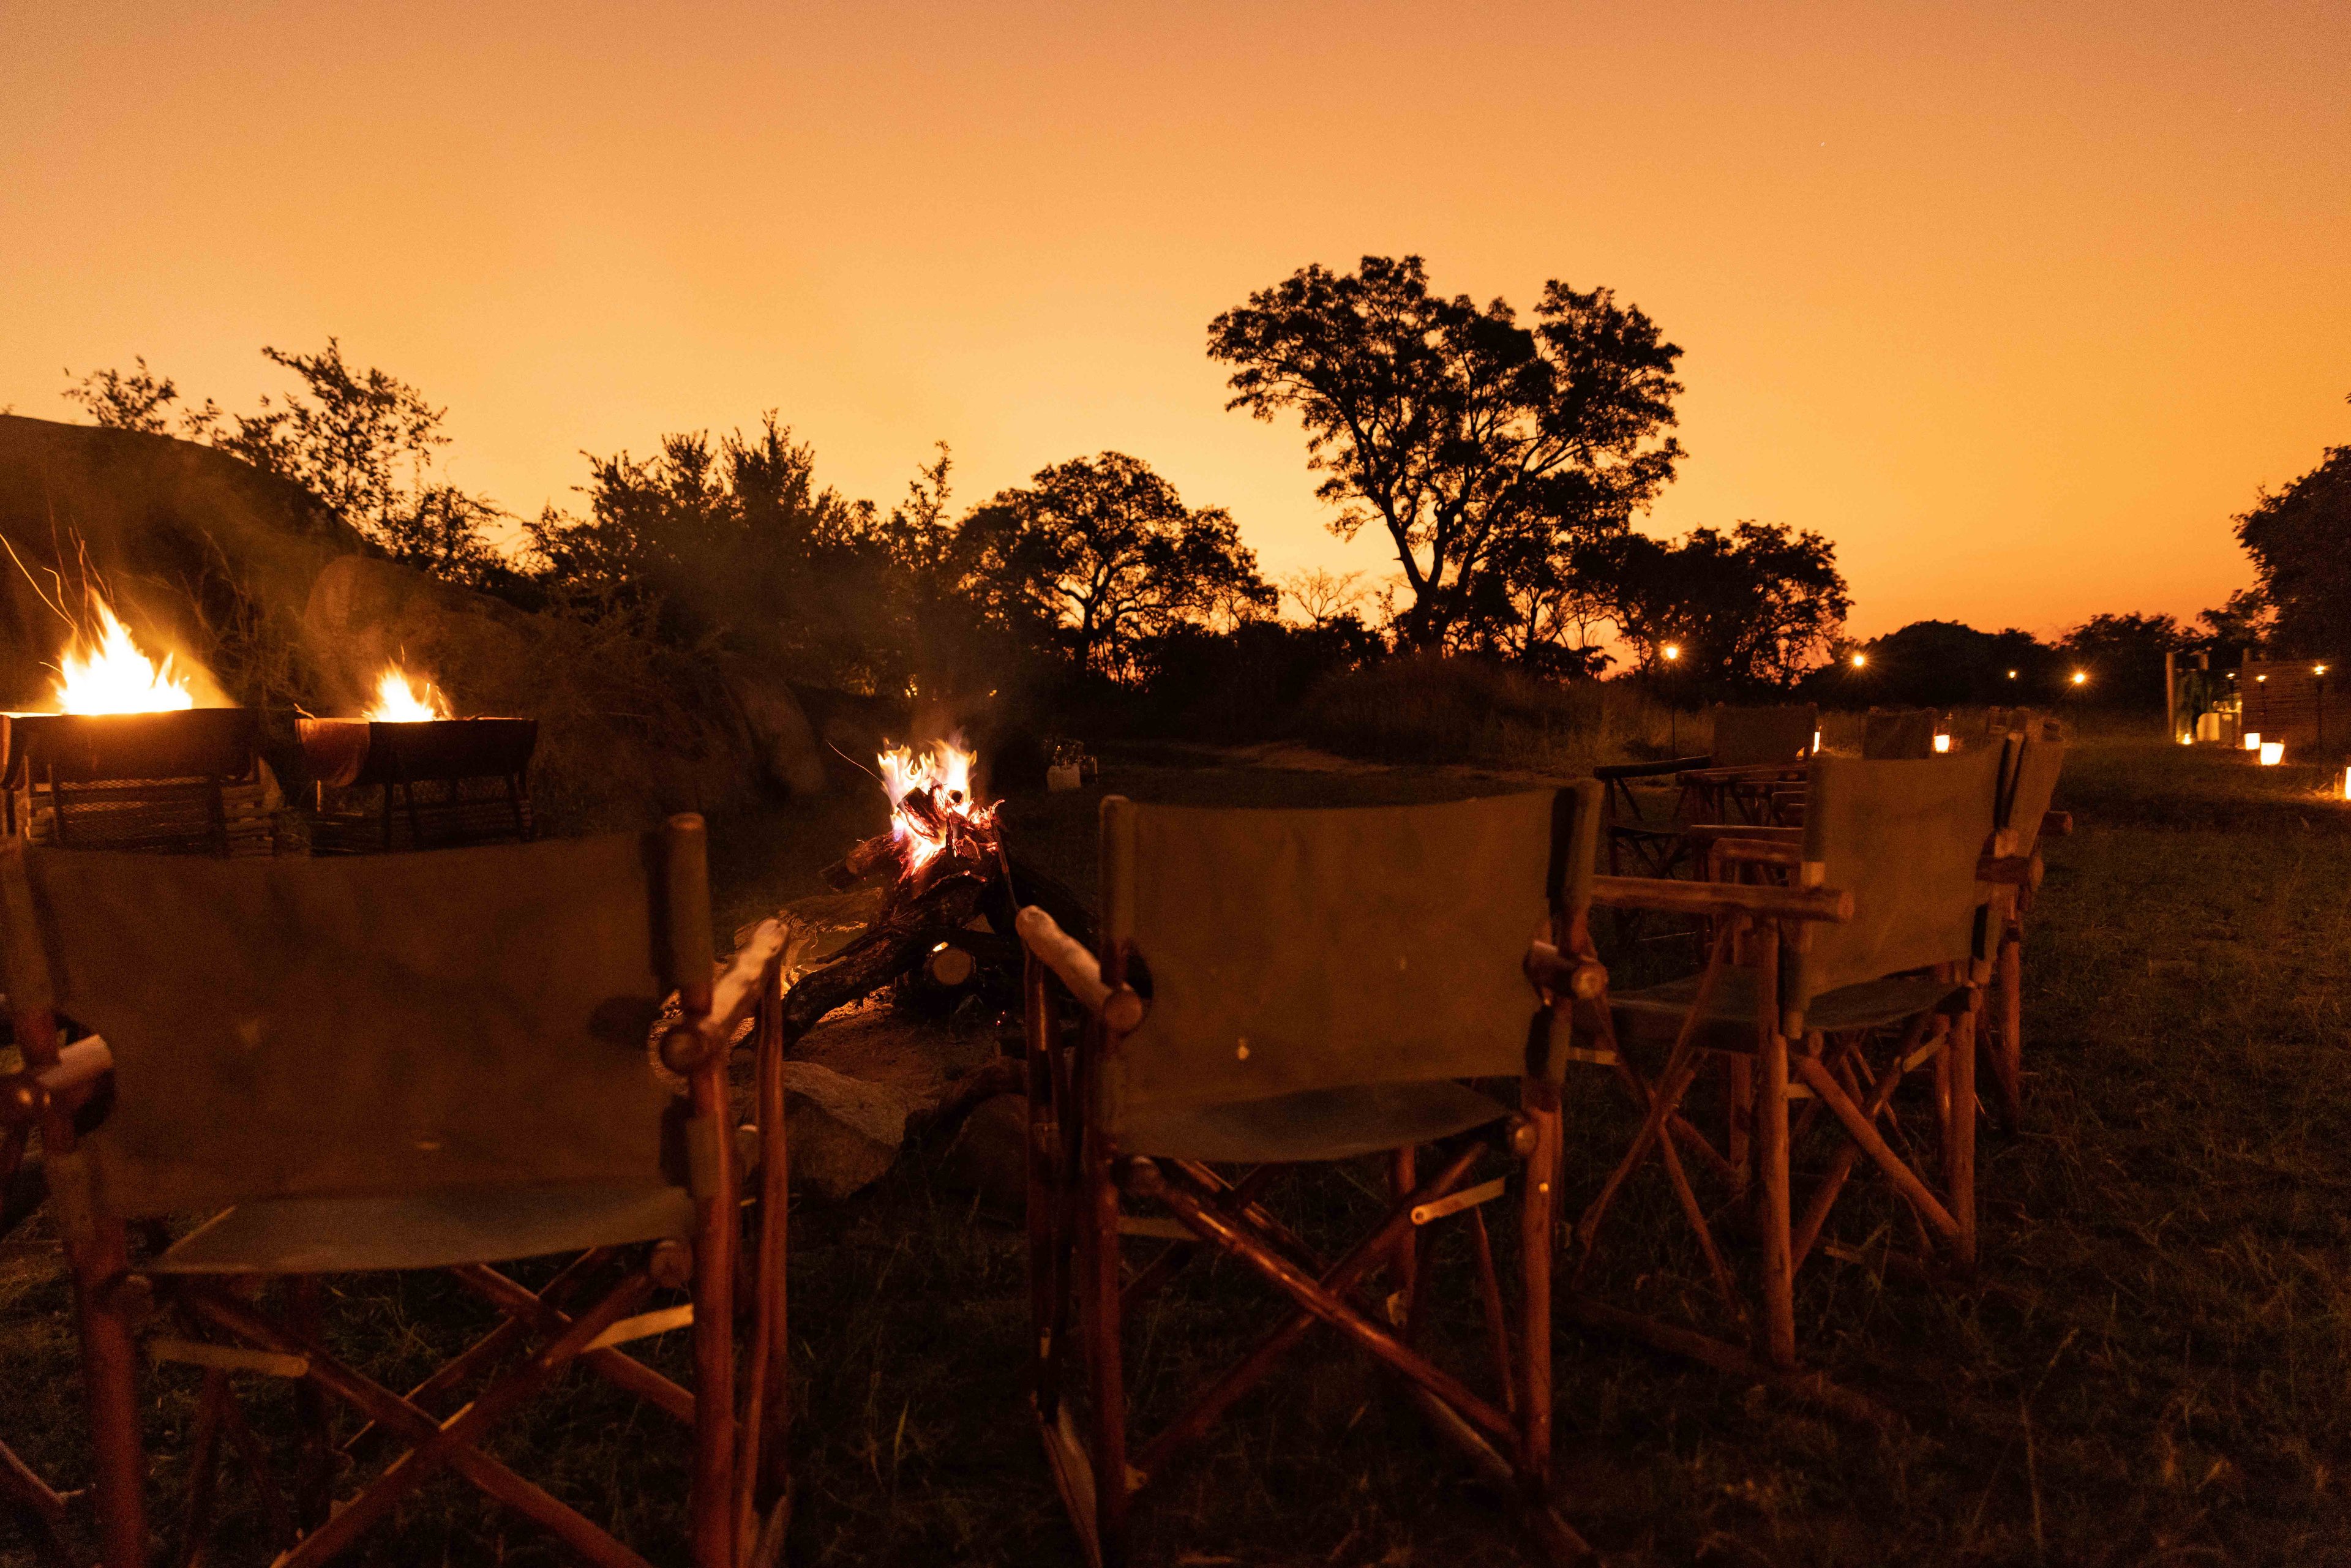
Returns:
point(783, 742)
point(841, 1133)
point(990, 1156)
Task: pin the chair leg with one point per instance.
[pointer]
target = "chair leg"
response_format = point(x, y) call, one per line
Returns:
point(1098, 1282)
point(1536, 1243)
point(110, 1368)
point(41, 1509)
point(1403, 1270)
point(717, 1224)
point(1773, 1200)
point(314, 1466)
point(1959, 1136)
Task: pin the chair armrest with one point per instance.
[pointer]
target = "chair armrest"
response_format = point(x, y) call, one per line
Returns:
point(1648, 769)
point(24, 1095)
point(695, 1042)
point(1564, 973)
point(1760, 851)
point(1707, 833)
point(1828, 903)
point(1122, 1009)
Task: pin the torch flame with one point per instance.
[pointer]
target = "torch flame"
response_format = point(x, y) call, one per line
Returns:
point(109, 674)
point(943, 771)
point(400, 698)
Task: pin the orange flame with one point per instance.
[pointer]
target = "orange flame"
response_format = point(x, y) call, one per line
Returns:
point(944, 768)
point(109, 674)
point(401, 698)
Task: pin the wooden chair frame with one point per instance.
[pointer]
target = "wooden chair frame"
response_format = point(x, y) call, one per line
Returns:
point(740, 1493)
point(1080, 1185)
point(1843, 1080)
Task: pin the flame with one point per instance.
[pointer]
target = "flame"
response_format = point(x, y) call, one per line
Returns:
point(400, 698)
point(111, 675)
point(943, 768)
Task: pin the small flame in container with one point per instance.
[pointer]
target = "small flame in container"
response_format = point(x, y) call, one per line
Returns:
point(108, 674)
point(930, 792)
point(401, 698)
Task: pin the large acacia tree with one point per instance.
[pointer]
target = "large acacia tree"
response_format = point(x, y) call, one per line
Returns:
point(1100, 553)
point(2300, 539)
point(1484, 447)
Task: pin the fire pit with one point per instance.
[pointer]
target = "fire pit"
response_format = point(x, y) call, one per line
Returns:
point(131, 763)
point(443, 780)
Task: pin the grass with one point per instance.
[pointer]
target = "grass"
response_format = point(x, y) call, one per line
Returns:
point(2153, 1369)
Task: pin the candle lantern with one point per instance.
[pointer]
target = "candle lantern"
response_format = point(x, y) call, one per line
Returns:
point(2272, 753)
point(2252, 740)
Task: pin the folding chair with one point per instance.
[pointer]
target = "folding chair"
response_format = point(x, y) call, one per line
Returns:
point(1895, 735)
point(64, 1076)
point(1826, 994)
point(403, 1063)
point(2028, 783)
point(1278, 987)
point(1754, 748)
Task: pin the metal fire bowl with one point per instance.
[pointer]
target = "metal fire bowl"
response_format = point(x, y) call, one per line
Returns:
point(90, 748)
point(347, 752)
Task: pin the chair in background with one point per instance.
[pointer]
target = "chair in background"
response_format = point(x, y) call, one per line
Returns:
point(1755, 749)
point(2028, 783)
point(1824, 994)
point(1278, 987)
point(408, 1062)
point(1899, 735)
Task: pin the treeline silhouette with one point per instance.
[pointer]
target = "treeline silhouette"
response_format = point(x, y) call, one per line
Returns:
point(1505, 463)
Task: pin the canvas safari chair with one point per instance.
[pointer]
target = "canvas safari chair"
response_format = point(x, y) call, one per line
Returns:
point(1819, 997)
point(1284, 987)
point(1903, 734)
point(1755, 749)
point(2030, 765)
point(50, 1076)
point(403, 1062)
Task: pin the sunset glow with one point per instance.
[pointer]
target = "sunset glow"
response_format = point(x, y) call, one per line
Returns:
point(2018, 307)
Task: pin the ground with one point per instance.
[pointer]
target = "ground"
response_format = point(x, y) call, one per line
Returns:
point(2152, 1367)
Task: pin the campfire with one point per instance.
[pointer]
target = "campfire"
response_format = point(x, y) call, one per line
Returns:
point(128, 760)
point(445, 781)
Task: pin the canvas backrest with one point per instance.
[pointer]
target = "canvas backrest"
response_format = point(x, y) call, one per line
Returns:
point(2028, 784)
point(362, 1026)
point(1745, 737)
point(1899, 734)
point(1904, 837)
point(1289, 950)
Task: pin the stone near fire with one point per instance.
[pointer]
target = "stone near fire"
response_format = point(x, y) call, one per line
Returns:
point(854, 1083)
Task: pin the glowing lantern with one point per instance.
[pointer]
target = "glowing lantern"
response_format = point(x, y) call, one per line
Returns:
point(1942, 743)
point(1859, 660)
point(2347, 783)
point(2272, 753)
point(2187, 740)
point(2081, 677)
point(1816, 740)
point(109, 674)
point(1672, 651)
point(2252, 740)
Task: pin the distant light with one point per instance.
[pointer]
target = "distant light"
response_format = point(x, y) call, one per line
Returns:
point(2347, 783)
point(1672, 651)
point(1816, 740)
point(1859, 660)
point(2252, 740)
point(2317, 669)
point(1942, 743)
point(2081, 677)
point(2272, 753)
point(2187, 740)
point(940, 948)
point(2011, 674)
point(2259, 679)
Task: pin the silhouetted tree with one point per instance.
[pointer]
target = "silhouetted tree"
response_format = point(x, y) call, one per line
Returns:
point(1757, 607)
point(2300, 539)
point(362, 441)
point(1100, 552)
point(2123, 657)
point(1941, 663)
point(2240, 627)
point(1480, 446)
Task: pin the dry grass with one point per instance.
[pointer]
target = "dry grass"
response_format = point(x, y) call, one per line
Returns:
point(2152, 1371)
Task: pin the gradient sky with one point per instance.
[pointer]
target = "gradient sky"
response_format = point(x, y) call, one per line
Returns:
point(2016, 304)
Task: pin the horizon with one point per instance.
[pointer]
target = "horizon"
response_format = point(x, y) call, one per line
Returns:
point(2019, 313)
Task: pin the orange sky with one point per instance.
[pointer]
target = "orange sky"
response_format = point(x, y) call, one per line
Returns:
point(2016, 304)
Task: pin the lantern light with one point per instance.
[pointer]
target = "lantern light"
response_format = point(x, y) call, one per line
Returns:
point(2252, 740)
point(1672, 651)
point(2011, 674)
point(2347, 783)
point(2272, 753)
point(1859, 660)
point(2317, 669)
point(2259, 679)
point(2187, 740)
point(1942, 743)
point(1816, 740)
point(2081, 677)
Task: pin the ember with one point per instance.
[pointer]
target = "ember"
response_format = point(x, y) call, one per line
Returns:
point(108, 674)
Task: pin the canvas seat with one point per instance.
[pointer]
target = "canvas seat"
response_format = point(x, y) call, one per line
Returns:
point(2032, 758)
point(427, 1230)
point(1282, 987)
point(1867, 1004)
point(436, 1061)
point(1313, 1123)
point(1827, 989)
